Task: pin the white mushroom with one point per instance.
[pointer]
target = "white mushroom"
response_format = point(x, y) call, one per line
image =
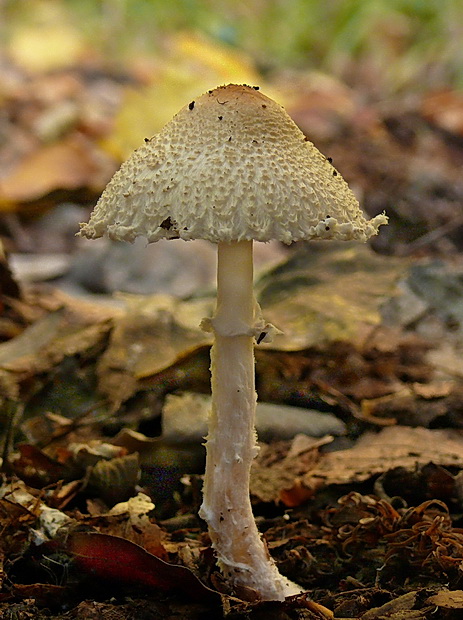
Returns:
point(232, 167)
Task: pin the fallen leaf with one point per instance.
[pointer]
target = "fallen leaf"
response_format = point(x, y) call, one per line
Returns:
point(35, 466)
point(448, 599)
point(326, 294)
point(155, 333)
point(27, 345)
point(62, 327)
point(192, 65)
point(47, 521)
point(115, 559)
point(400, 608)
point(91, 452)
point(396, 446)
point(277, 472)
point(48, 39)
point(39, 267)
point(70, 164)
point(42, 428)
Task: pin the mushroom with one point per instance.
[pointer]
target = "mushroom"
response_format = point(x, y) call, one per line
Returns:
point(232, 167)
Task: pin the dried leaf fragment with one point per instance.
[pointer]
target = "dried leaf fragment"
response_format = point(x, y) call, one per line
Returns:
point(396, 446)
point(70, 164)
point(448, 599)
point(400, 608)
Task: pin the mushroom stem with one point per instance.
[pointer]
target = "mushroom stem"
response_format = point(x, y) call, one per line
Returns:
point(231, 442)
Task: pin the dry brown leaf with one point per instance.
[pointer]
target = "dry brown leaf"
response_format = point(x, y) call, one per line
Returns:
point(154, 333)
point(70, 164)
point(18, 353)
point(400, 608)
point(448, 599)
point(343, 298)
point(276, 473)
point(63, 327)
point(42, 428)
point(396, 446)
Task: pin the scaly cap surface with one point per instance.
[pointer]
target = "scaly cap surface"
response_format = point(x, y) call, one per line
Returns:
point(230, 166)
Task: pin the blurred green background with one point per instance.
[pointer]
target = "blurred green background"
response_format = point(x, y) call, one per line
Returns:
point(399, 43)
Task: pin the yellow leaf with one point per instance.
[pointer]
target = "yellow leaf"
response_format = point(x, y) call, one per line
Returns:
point(224, 62)
point(46, 40)
point(192, 65)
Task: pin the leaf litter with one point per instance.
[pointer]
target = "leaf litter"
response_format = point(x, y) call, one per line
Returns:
point(368, 519)
point(364, 380)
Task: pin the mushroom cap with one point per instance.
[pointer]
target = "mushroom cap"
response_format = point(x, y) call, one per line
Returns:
point(230, 166)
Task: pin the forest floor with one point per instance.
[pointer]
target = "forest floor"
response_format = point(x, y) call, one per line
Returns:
point(360, 501)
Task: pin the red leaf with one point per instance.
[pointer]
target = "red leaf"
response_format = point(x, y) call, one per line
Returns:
point(116, 559)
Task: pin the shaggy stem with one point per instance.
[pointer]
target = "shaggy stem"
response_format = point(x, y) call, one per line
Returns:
point(231, 443)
